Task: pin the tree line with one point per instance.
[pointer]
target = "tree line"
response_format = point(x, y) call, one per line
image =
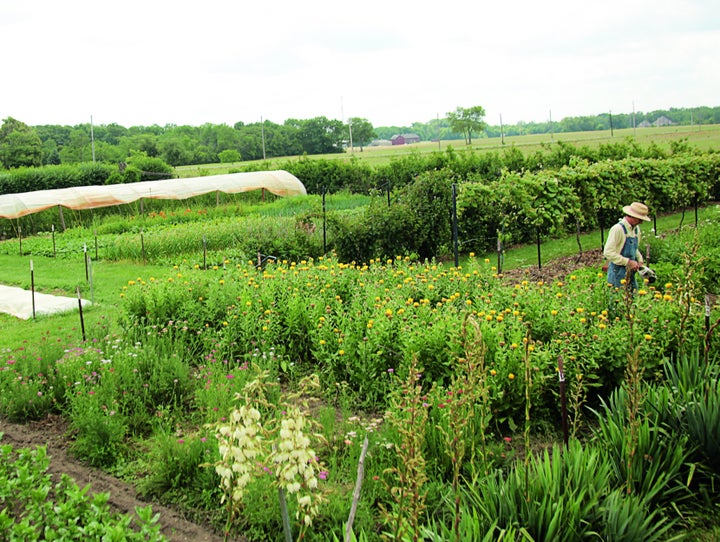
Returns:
point(22, 145)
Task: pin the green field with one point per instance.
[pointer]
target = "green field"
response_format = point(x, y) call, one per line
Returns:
point(703, 137)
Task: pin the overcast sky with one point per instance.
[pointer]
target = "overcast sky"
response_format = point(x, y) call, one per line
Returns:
point(392, 62)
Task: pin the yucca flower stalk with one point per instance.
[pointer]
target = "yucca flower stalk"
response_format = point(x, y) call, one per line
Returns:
point(297, 467)
point(241, 443)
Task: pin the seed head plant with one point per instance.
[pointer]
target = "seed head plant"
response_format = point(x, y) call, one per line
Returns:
point(408, 415)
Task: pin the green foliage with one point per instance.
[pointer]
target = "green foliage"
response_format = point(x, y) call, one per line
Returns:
point(20, 146)
point(467, 120)
point(33, 508)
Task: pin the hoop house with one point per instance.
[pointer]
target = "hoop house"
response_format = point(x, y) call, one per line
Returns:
point(278, 182)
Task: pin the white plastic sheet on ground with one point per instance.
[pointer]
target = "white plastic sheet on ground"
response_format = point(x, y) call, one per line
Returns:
point(19, 302)
point(278, 182)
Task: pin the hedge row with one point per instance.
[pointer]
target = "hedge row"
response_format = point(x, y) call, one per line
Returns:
point(519, 207)
point(30, 179)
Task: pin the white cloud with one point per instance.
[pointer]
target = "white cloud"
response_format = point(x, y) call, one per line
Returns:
point(222, 61)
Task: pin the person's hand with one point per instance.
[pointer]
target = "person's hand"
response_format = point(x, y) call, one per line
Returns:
point(633, 265)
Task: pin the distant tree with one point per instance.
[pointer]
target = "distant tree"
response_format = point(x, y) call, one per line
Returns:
point(362, 131)
point(467, 120)
point(319, 135)
point(228, 156)
point(20, 146)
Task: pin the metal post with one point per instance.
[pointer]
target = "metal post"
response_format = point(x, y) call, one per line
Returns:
point(324, 220)
point(204, 252)
point(32, 288)
point(455, 223)
point(85, 257)
point(537, 230)
point(82, 321)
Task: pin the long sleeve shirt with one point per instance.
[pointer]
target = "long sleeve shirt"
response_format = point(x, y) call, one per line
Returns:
point(616, 241)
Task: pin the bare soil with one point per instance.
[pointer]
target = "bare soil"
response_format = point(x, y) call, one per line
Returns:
point(51, 432)
point(558, 268)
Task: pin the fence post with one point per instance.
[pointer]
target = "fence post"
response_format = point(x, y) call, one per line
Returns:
point(324, 210)
point(455, 223)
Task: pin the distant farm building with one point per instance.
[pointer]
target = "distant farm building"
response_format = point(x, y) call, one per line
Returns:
point(405, 139)
point(380, 142)
point(660, 121)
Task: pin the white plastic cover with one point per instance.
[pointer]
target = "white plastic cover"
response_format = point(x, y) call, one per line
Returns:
point(278, 182)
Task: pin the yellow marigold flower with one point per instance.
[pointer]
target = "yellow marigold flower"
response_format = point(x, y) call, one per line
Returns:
point(511, 376)
point(513, 346)
point(642, 292)
point(468, 302)
point(341, 352)
point(225, 323)
point(531, 348)
point(602, 326)
point(558, 295)
point(668, 285)
point(322, 341)
point(648, 337)
point(554, 312)
point(493, 372)
point(489, 317)
point(667, 297)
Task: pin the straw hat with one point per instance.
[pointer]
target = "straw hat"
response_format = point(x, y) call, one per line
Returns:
point(637, 210)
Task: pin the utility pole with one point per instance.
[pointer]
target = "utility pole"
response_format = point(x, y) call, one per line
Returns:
point(350, 130)
point(551, 130)
point(92, 139)
point(502, 134)
point(262, 133)
point(437, 118)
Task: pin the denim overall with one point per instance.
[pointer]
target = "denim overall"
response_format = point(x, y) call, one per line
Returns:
point(617, 272)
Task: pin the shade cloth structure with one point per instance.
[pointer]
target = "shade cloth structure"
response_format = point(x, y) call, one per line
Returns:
point(278, 182)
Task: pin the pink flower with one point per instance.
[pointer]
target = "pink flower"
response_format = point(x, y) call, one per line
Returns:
point(323, 474)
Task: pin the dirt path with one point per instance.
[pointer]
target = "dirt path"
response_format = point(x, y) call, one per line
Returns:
point(123, 497)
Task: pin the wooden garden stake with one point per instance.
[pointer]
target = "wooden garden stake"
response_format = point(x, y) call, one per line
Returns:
point(356, 491)
point(53, 240)
point(563, 400)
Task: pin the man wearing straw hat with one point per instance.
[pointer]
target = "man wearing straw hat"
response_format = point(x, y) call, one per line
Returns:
point(622, 245)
